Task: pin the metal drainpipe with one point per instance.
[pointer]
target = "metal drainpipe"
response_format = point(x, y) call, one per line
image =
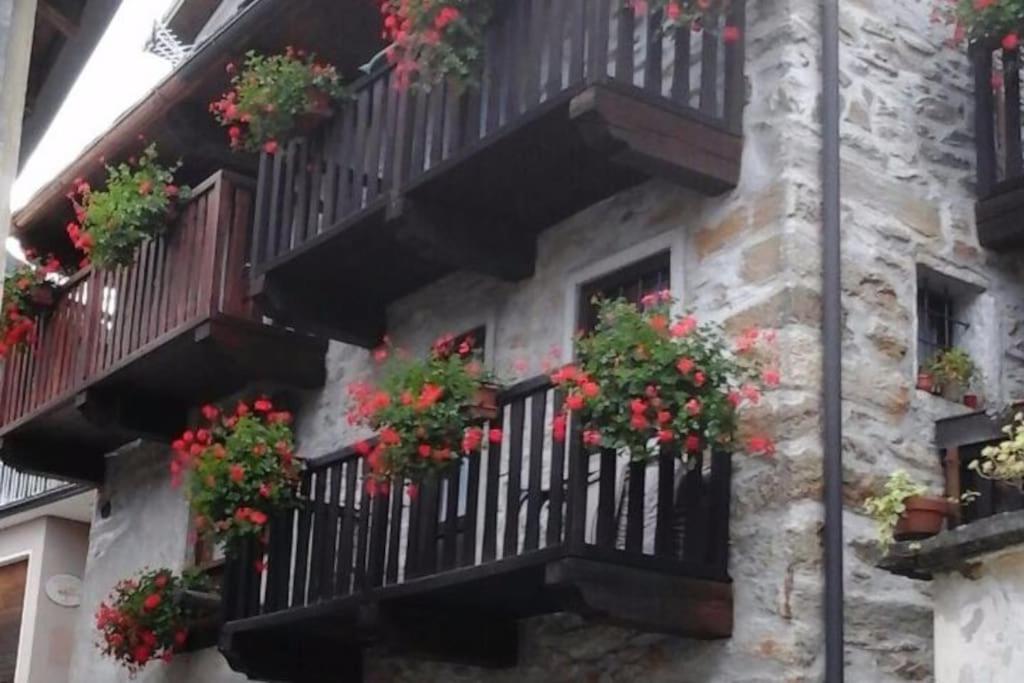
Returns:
point(832, 344)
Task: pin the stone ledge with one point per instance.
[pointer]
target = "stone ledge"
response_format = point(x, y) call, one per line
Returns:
point(955, 549)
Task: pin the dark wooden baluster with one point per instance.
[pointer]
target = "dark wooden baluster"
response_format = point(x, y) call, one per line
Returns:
point(720, 506)
point(320, 535)
point(371, 169)
point(489, 546)
point(348, 528)
point(579, 466)
point(304, 168)
point(984, 113)
point(663, 541)
point(279, 563)
point(427, 526)
point(378, 536)
point(359, 152)
point(450, 533)
point(419, 136)
point(494, 58)
point(556, 37)
point(395, 531)
point(362, 527)
point(709, 64)
point(624, 51)
point(412, 535)
point(291, 197)
point(606, 500)
point(600, 44)
point(735, 56)
point(435, 124)
point(577, 40)
point(328, 572)
point(534, 66)
point(339, 163)
point(695, 505)
point(635, 508)
point(305, 519)
point(277, 196)
point(515, 474)
point(653, 65)
point(534, 495)
point(556, 483)
point(1011, 113)
point(468, 554)
point(681, 66)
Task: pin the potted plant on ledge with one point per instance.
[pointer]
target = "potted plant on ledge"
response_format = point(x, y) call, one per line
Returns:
point(953, 371)
point(428, 413)
point(644, 381)
point(904, 512)
point(1004, 462)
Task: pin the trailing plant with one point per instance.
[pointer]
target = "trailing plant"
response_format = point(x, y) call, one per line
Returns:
point(643, 380)
point(138, 202)
point(436, 40)
point(1004, 461)
point(422, 412)
point(270, 96)
point(21, 305)
point(887, 508)
point(240, 469)
point(952, 368)
point(142, 621)
point(977, 20)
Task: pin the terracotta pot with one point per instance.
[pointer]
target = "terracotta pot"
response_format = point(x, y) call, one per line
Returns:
point(925, 382)
point(923, 518)
point(971, 401)
point(42, 295)
point(485, 404)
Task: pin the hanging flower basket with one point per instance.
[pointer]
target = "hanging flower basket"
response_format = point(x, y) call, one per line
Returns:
point(427, 412)
point(27, 294)
point(138, 202)
point(143, 620)
point(275, 97)
point(240, 469)
point(643, 381)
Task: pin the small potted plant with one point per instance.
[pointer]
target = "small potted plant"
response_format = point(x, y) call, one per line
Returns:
point(144, 619)
point(275, 96)
point(925, 380)
point(240, 468)
point(643, 380)
point(428, 412)
point(952, 370)
point(904, 512)
point(27, 294)
point(139, 201)
point(1004, 462)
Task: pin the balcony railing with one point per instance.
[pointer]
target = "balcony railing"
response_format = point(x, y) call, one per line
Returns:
point(104, 319)
point(578, 99)
point(476, 537)
point(17, 487)
point(997, 125)
point(125, 352)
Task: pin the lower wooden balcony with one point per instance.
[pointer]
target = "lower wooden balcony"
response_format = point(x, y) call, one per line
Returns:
point(529, 527)
point(423, 183)
point(125, 353)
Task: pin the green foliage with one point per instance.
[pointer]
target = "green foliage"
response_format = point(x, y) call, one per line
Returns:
point(887, 508)
point(18, 317)
point(952, 368)
point(984, 19)
point(643, 381)
point(269, 95)
point(240, 469)
point(421, 411)
point(142, 620)
point(138, 202)
point(1004, 461)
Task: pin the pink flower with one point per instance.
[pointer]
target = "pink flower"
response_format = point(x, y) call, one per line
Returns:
point(558, 427)
point(494, 436)
point(692, 443)
point(684, 327)
point(592, 437)
point(685, 366)
point(770, 378)
point(693, 407)
point(637, 406)
point(760, 445)
point(237, 473)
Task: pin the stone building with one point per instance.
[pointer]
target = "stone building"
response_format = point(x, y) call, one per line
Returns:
point(723, 206)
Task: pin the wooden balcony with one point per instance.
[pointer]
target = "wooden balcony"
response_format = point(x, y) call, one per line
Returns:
point(125, 353)
point(997, 111)
point(579, 100)
point(528, 527)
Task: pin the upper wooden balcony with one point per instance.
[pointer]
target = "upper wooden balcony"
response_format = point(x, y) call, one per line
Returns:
point(997, 123)
point(579, 99)
point(531, 526)
point(125, 353)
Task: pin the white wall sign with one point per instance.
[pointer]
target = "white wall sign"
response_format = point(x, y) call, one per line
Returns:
point(64, 590)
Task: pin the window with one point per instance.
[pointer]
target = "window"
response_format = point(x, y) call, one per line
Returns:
point(631, 283)
point(939, 323)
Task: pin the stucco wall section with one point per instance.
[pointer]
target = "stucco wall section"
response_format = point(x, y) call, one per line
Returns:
point(979, 622)
point(147, 527)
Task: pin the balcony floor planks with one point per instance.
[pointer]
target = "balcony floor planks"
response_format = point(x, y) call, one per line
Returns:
point(147, 393)
point(556, 159)
point(1000, 216)
point(497, 594)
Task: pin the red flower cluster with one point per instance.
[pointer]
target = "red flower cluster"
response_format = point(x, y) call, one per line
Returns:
point(270, 94)
point(140, 622)
point(21, 304)
point(421, 413)
point(644, 381)
point(983, 20)
point(692, 12)
point(241, 468)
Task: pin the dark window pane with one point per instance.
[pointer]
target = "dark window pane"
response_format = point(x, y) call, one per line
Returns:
point(631, 283)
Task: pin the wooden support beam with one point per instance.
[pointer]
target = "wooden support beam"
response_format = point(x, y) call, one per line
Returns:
point(452, 237)
point(133, 414)
point(46, 11)
point(484, 640)
point(47, 459)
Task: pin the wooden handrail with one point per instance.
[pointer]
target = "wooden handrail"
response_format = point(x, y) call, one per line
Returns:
point(104, 319)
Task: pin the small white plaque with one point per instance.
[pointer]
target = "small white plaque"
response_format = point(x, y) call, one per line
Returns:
point(64, 590)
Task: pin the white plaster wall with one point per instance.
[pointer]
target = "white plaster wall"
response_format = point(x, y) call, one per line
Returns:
point(51, 546)
point(979, 622)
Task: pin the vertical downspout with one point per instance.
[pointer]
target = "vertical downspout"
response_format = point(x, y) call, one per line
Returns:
point(832, 344)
